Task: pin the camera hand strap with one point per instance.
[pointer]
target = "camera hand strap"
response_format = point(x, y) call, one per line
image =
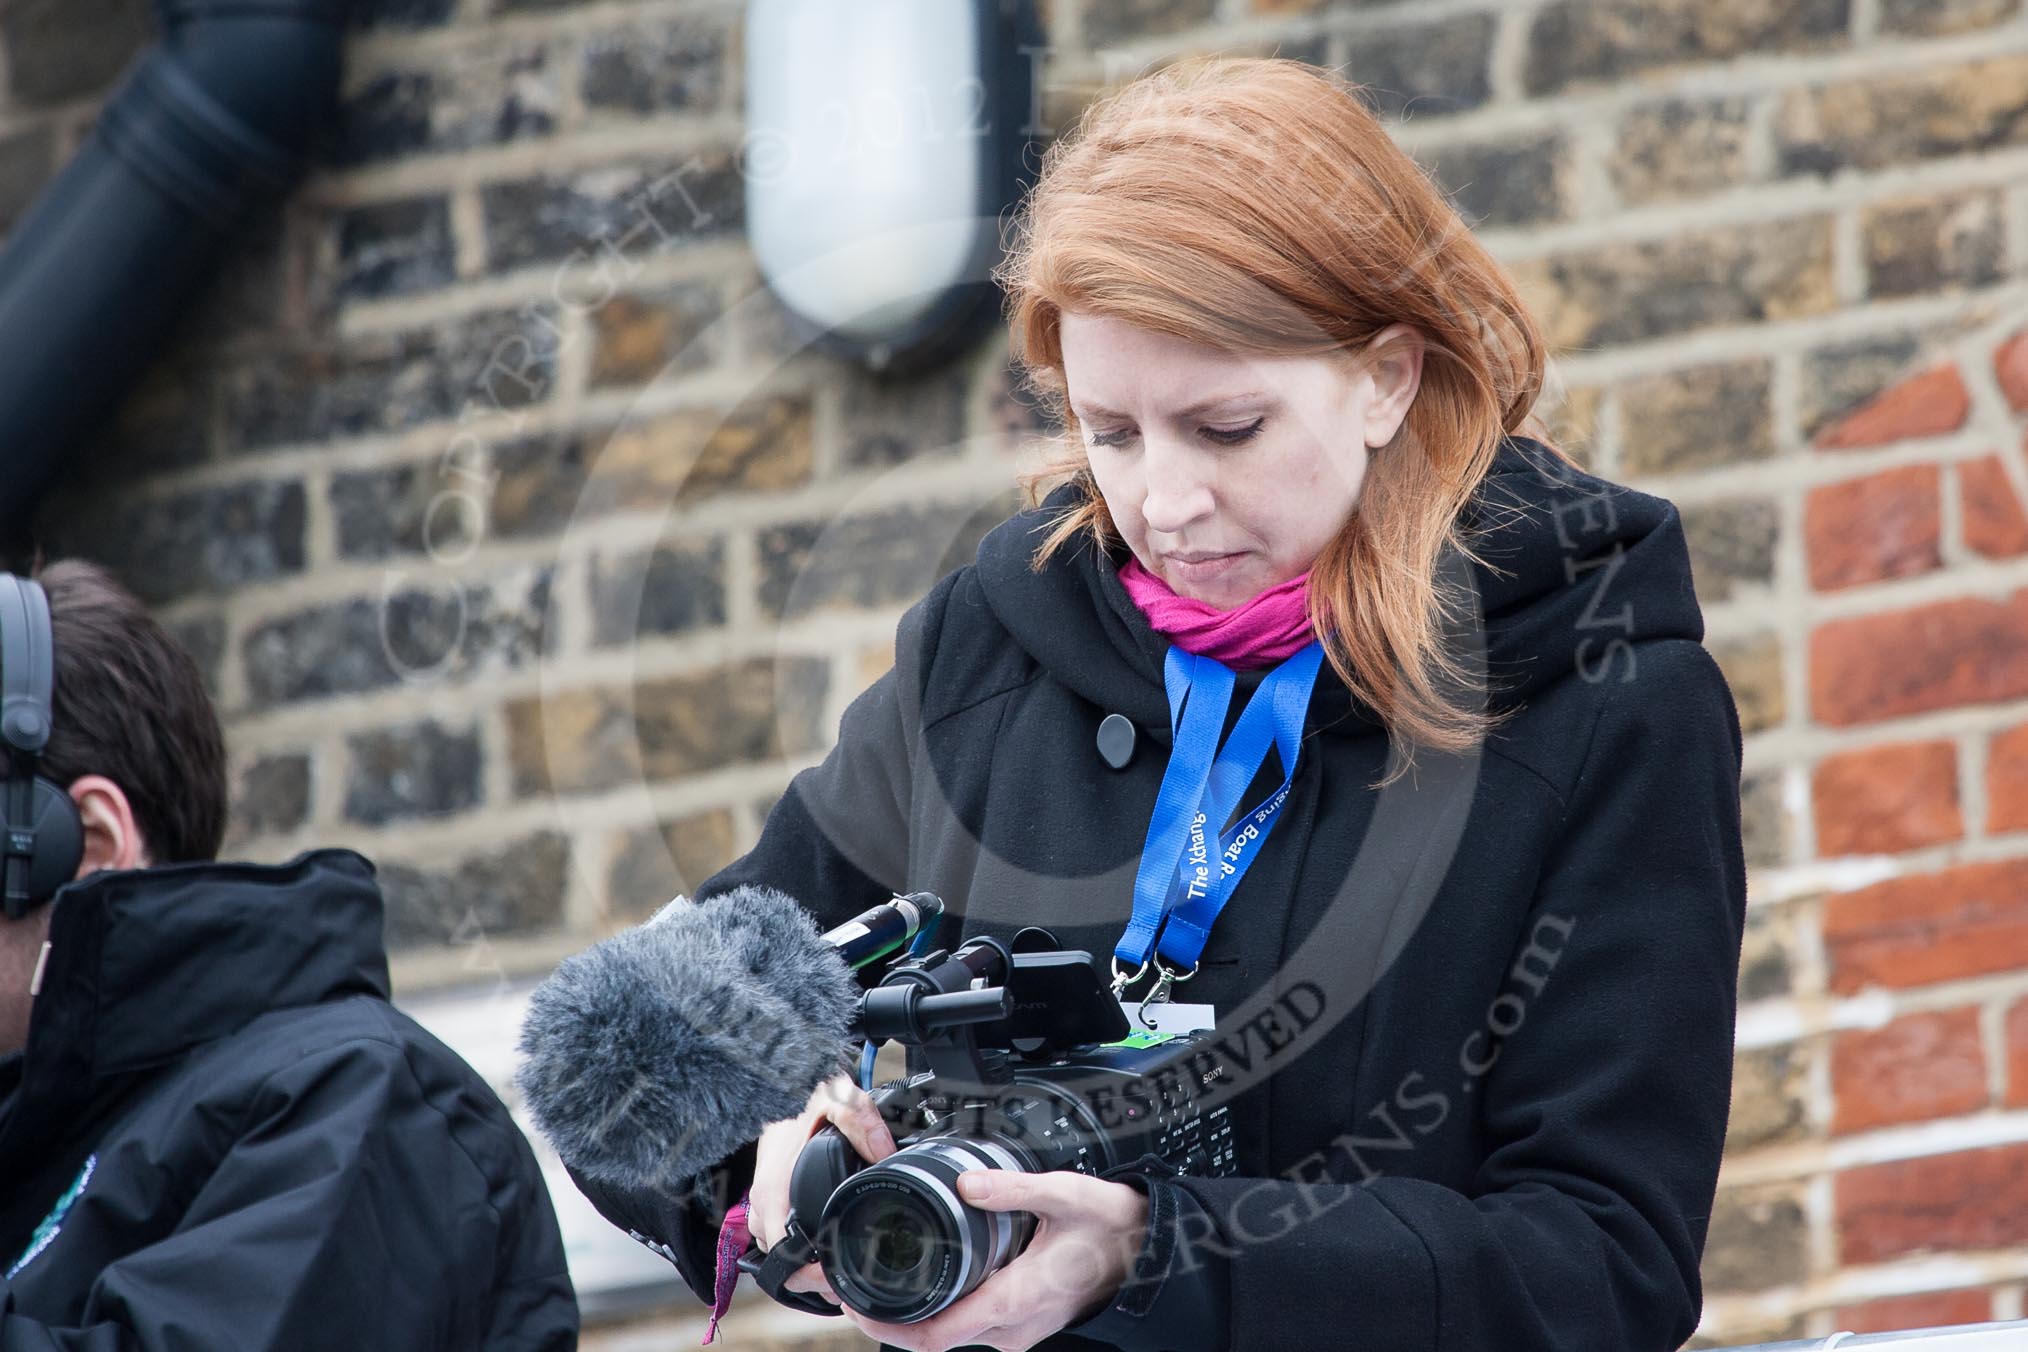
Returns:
point(791, 1253)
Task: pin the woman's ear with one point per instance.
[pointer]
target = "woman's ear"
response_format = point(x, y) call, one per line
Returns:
point(112, 838)
point(1393, 360)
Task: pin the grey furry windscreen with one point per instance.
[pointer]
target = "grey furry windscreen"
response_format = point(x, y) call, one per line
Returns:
point(659, 1051)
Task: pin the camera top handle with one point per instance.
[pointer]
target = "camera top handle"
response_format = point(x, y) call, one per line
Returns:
point(938, 1002)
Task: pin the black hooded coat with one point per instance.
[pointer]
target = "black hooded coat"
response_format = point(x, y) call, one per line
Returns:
point(221, 1135)
point(1486, 1012)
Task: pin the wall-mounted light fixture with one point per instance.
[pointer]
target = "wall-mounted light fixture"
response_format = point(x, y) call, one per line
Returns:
point(885, 140)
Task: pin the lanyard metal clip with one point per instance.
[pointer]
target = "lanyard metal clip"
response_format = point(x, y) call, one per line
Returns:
point(1122, 980)
point(1166, 978)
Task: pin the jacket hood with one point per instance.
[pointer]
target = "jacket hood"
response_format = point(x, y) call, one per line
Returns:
point(145, 964)
point(1572, 565)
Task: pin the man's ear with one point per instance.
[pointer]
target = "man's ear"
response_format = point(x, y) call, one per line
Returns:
point(112, 838)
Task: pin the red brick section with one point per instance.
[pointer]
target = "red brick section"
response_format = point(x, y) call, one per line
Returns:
point(1926, 1310)
point(2007, 780)
point(1887, 798)
point(1961, 921)
point(1885, 525)
point(1919, 1066)
point(2017, 1054)
point(1926, 404)
point(1935, 656)
point(1995, 525)
point(2010, 365)
point(1972, 1199)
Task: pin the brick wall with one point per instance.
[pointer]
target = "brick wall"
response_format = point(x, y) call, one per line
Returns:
point(530, 550)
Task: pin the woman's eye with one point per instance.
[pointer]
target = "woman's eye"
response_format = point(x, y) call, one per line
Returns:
point(1232, 436)
point(1222, 436)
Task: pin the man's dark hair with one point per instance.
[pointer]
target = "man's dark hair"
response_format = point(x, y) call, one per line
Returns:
point(131, 705)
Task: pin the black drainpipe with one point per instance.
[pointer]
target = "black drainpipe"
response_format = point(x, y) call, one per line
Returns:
point(209, 125)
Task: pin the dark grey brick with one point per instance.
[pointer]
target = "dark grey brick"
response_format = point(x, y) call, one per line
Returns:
point(668, 591)
point(1120, 21)
point(540, 481)
point(1929, 112)
point(516, 889)
point(368, 14)
point(1426, 70)
point(888, 422)
point(481, 99)
point(407, 509)
point(880, 558)
point(653, 864)
point(1631, 290)
point(1504, 183)
point(1717, 414)
point(1681, 148)
point(589, 740)
point(211, 539)
point(678, 67)
point(1764, 826)
point(1839, 378)
point(1732, 544)
point(414, 634)
point(629, 210)
point(378, 383)
point(1935, 244)
point(419, 770)
point(1935, 18)
point(203, 637)
point(270, 797)
point(1759, 1238)
point(1584, 41)
point(394, 248)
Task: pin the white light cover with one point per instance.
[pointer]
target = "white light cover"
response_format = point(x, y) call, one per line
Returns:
point(865, 127)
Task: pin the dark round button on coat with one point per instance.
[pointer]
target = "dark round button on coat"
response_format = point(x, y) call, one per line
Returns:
point(1116, 740)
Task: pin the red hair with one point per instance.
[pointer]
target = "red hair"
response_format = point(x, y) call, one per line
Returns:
point(1257, 205)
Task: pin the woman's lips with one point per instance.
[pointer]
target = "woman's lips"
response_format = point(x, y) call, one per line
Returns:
point(1199, 570)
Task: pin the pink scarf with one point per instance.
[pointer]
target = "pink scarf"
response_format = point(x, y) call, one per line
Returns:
point(1262, 632)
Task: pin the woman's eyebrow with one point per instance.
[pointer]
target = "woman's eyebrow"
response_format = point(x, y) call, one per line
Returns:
point(1195, 410)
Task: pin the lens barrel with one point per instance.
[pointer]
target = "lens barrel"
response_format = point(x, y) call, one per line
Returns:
point(900, 1245)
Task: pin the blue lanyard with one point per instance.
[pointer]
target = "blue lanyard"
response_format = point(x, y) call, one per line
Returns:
point(1180, 879)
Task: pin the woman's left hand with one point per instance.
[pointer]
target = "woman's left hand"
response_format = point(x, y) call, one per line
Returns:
point(1086, 1236)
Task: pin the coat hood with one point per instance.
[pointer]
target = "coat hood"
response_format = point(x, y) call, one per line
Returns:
point(145, 964)
point(1573, 564)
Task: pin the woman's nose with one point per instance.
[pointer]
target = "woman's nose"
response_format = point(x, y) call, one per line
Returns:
point(1177, 492)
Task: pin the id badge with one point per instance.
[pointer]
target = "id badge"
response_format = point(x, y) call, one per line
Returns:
point(1166, 1016)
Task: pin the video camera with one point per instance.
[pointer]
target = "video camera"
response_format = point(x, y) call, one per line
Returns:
point(1019, 1058)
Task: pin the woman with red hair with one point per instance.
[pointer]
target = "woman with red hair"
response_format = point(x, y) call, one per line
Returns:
point(1468, 942)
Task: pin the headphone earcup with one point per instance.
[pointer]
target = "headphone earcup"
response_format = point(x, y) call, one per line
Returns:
point(59, 840)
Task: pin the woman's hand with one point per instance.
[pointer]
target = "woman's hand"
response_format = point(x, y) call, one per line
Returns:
point(1087, 1234)
point(837, 1102)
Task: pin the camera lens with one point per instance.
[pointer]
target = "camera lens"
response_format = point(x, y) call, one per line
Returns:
point(898, 1245)
point(894, 1247)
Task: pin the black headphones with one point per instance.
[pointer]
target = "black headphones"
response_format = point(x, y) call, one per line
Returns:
point(43, 836)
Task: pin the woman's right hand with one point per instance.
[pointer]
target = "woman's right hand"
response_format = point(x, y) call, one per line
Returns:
point(837, 1102)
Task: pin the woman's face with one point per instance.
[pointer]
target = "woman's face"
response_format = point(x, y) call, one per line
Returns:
point(1226, 473)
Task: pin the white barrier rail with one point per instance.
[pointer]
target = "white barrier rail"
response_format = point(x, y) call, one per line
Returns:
point(2006, 1336)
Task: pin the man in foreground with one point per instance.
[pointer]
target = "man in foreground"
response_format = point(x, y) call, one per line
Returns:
point(215, 1131)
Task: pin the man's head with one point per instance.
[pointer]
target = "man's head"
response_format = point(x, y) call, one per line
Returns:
point(134, 741)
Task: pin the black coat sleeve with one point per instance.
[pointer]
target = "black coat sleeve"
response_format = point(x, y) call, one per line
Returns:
point(837, 842)
point(1584, 1226)
point(343, 1214)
